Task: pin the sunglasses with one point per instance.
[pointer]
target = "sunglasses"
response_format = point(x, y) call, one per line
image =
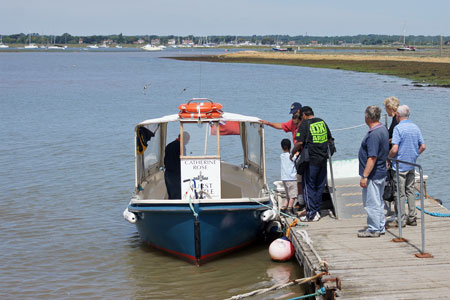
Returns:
point(296, 116)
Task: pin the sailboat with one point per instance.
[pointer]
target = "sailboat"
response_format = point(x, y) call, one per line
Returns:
point(405, 47)
point(30, 44)
point(2, 46)
point(54, 46)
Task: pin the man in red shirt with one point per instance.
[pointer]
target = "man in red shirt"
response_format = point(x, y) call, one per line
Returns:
point(292, 124)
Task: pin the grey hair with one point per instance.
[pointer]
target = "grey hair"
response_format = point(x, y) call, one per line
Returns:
point(373, 113)
point(392, 102)
point(403, 111)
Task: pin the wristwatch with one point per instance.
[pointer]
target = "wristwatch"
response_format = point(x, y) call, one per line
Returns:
point(364, 177)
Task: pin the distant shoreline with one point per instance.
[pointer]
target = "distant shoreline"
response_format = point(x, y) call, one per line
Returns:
point(423, 70)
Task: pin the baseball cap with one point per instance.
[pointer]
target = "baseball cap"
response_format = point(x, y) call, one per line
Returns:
point(295, 106)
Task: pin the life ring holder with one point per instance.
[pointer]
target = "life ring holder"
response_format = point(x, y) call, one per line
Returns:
point(196, 115)
point(200, 106)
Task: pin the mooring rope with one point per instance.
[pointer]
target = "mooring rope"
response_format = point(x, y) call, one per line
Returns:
point(433, 214)
point(308, 241)
point(281, 213)
point(277, 287)
point(320, 292)
point(347, 128)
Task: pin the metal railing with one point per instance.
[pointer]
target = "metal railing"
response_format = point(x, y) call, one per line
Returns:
point(399, 206)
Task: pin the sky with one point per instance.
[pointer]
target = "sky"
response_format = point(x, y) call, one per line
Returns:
point(225, 17)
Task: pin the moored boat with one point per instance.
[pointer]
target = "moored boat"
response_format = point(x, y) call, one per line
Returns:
point(150, 47)
point(406, 48)
point(222, 202)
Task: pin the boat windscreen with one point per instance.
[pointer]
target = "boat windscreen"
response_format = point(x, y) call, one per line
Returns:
point(201, 142)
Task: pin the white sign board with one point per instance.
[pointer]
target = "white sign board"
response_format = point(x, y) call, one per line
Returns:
point(205, 172)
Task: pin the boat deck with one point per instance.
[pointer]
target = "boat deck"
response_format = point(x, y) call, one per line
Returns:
point(376, 268)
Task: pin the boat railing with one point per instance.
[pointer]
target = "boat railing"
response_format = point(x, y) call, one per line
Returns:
point(399, 206)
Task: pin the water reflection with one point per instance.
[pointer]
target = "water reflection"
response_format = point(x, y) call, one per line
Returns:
point(157, 275)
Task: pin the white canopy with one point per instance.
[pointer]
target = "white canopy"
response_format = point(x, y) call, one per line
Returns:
point(225, 117)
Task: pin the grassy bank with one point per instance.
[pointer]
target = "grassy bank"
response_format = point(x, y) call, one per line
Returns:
point(422, 69)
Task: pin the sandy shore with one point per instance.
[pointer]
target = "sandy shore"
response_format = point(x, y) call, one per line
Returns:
point(409, 57)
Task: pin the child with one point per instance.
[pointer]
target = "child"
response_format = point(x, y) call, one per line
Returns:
point(288, 176)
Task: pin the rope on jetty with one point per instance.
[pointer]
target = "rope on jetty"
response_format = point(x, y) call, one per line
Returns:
point(433, 214)
point(317, 293)
point(308, 241)
point(277, 287)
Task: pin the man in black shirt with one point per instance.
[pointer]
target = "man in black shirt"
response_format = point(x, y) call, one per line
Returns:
point(314, 135)
point(172, 163)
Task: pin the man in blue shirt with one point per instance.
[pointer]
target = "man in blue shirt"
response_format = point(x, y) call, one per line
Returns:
point(372, 156)
point(407, 145)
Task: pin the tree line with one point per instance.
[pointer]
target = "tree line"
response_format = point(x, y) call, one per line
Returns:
point(369, 39)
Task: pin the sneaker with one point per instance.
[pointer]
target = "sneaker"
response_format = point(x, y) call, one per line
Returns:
point(290, 211)
point(315, 219)
point(395, 224)
point(366, 228)
point(412, 222)
point(301, 213)
point(368, 234)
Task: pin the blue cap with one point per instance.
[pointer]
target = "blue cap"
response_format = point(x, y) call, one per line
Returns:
point(294, 107)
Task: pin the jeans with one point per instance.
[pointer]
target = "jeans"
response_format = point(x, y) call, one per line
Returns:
point(314, 180)
point(374, 205)
point(406, 192)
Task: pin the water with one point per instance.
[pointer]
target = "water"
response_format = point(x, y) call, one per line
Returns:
point(66, 157)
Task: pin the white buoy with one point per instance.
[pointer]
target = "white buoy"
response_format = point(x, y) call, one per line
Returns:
point(268, 215)
point(281, 249)
point(129, 216)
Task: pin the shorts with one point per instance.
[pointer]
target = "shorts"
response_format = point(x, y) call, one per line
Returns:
point(290, 187)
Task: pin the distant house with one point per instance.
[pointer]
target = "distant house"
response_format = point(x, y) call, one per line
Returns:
point(291, 43)
point(171, 42)
point(155, 41)
point(140, 41)
point(80, 41)
point(188, 42)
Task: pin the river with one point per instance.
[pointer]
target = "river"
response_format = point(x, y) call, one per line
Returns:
point(66, 151)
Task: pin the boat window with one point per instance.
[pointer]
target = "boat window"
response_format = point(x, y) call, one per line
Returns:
point(152, 153)
point(253, 142)
point(201, 141)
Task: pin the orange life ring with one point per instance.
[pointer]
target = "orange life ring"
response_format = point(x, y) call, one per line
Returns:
point(196, 115)
point(199, 107)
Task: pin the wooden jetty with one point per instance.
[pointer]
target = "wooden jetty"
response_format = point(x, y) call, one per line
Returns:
point(375, 268)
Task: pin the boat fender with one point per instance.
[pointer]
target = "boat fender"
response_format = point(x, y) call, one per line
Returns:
point(268, 215)
point(274, 227)
point(281, 249)
point(129, 216)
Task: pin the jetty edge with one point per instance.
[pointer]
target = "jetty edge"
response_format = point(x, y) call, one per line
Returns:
point(423, 70)
point(375, 268)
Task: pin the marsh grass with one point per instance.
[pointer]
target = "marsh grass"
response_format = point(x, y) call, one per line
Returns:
point(423, 70)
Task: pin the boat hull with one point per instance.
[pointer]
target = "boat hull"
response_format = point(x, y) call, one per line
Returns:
point(216, 230)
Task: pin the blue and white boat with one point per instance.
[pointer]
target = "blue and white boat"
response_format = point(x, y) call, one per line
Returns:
point(223, 192)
